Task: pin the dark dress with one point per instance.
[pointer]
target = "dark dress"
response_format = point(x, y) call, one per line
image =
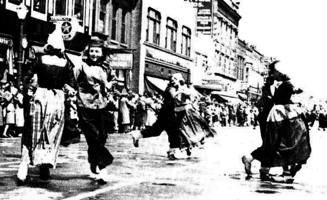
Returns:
point(264, 105)
point(166, 120)
point(286, 140)
point(322, 119)
point(192, 126)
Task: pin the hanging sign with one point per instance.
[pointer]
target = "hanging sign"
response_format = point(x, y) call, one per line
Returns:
point(121, 60)
point(69, 26)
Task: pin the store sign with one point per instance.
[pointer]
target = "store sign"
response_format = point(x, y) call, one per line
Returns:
point(121, 60)
point(5, 41)
point(204, 16)
point(68, 25)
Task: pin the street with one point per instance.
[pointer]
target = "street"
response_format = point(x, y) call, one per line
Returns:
point(213, 172)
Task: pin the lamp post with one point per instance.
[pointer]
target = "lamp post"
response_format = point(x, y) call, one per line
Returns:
point(21, 14)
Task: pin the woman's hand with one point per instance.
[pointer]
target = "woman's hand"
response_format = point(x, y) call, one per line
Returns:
point(69, 90)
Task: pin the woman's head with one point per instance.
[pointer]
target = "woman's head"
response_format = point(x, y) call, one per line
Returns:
point(275, 73)
point(177, 79)
point(95, 51)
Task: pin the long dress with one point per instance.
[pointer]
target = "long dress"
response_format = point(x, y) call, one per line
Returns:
point(192, 126)
point(287, 139)
point(45, 109)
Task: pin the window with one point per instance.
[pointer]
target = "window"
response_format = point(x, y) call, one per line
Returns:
point(39, 9)
point(153, 29)
point(39, 6)
point(99, 16)
point(60, 7)
point(16, 2)
point(102, 16)
point(114, 22)
point(78, 11)
point(186, 41)
point(123, 27)
point(171, 34)
point(11, 4)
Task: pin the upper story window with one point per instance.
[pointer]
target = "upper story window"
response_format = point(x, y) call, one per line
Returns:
point(171, 34)
point(153, 28)
point(114, 22)
point(39, 9)
point(123, 26)
point(99, 16)
point(186, 41)
point(78, 11)
point(102, 16)
point(61, 7)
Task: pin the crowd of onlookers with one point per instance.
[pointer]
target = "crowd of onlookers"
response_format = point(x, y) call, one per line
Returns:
point(129, 111)
point(228, 114)
point(11, 110)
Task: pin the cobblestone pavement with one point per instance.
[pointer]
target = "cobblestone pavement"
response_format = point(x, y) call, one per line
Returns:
point(213, 172)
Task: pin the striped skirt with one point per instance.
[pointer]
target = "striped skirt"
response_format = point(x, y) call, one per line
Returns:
point(46, 122)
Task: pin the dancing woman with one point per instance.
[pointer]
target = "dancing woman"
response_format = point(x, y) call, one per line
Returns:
point(191, 125)
point(44, 107)
point(92, 100)
point(286, 141)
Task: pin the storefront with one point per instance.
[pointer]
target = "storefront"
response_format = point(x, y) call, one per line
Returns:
point(158, 72)
point(6, 57)
point(121, 62)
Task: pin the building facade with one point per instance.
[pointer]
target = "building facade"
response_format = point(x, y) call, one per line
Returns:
point(165, 43)
point(219, 19)
point(252, 70)
point(112, 20)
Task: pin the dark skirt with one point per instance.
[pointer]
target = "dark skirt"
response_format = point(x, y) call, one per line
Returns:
point(93, 123)
point(193, 128)
point(322, 120)
point(287, 137)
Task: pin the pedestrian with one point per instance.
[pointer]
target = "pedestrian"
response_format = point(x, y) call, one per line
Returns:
point(286, 142)
point(125, 106)
point(44, 107)
point(92, 100)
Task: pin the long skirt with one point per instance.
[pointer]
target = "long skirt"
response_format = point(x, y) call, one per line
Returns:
point(93, 123)
point(193, 127)
point(287, 136)
point(44, 126)
point(322, 120)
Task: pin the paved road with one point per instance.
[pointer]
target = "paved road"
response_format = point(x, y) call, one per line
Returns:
point(214, 172)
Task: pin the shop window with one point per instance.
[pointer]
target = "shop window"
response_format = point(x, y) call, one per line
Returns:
point(114, 22)
point(171, 34)
point(186, 41)
point(153, 28)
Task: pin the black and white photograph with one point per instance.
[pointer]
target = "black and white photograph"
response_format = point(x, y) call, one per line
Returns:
point(163, 99)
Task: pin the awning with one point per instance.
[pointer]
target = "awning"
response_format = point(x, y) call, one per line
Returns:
point(155, 85)
point(227, 97)
point(209, 87)
point(242, 96)
point(158, 85)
